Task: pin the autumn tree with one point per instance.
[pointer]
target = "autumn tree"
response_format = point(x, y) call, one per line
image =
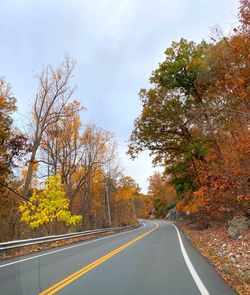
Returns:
point(61, 147)
point(77, 153)
point(162, 194)
point(14, 147)
point(47, 205)
point(143, 205)
point(166, 125)
point(7, 107)
point(99, 150)
point(244, 17)
point(124, 201)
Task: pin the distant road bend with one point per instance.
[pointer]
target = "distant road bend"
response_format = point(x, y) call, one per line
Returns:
point(155, 259)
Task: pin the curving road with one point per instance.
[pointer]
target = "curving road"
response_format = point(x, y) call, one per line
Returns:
point(155, 259)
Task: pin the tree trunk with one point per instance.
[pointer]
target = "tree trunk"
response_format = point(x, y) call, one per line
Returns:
point(29, 172)
point(107, 200)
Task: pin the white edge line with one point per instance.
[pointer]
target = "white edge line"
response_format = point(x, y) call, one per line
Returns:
point(67, 248)
point(193, 272)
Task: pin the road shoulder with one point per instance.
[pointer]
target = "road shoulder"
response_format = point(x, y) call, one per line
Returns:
point(210, 244)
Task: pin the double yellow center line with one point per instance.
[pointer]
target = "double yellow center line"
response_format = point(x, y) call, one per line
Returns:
point(74, 276)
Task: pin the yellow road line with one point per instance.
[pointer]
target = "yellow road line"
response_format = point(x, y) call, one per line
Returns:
point(74, 276)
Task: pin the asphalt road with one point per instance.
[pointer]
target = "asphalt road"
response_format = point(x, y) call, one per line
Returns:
point(155, 259)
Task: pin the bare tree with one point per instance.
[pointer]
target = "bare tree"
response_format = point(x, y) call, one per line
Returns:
point(49, 107)
point(111, 171)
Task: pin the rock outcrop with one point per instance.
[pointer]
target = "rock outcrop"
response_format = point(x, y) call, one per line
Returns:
point(237, 226)
point(173, 215)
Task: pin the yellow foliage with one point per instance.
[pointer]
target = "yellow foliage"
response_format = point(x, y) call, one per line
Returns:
point(48, 205)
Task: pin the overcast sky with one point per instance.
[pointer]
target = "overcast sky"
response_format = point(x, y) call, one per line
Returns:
point(117, 44)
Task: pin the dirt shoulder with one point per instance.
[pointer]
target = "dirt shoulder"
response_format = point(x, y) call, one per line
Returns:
point(230, 257)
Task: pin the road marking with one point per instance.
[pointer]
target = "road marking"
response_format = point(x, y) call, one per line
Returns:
point(68, 248)
point(74, 276)
point(193, 272)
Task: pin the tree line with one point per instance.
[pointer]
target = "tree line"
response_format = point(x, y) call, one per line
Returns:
point(70, 176)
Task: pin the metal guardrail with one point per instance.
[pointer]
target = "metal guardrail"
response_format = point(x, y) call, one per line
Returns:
point(46, 239)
